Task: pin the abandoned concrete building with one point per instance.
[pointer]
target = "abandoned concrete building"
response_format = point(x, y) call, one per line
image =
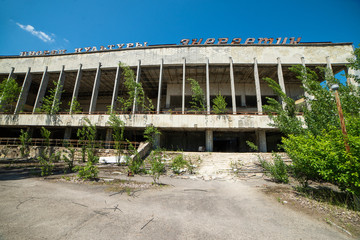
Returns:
point(95, 80)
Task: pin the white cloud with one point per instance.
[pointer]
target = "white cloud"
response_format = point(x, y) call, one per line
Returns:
point(43, 36)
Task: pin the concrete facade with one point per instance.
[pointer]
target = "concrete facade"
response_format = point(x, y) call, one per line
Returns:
point(235, 71)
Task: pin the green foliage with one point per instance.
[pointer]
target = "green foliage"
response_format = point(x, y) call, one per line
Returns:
point(324, 157)
point(134, 162)
point(157, 165)
point(284, 118)
point(69, 158)
point(316, 143)
point(9, 93)
point(277, 170)
point(46, 158)
point(51, 103)
point(179, 164)
point(118, 128)
point(76, 107)
point(354, 63)
point(46, 134)
point(46, 165)
point(25, 140)
point(133, 91)
point(252, 146)
point(150, 132)
point(220, 104)
point(198, 97)
point(87, 172)
point(87, 137)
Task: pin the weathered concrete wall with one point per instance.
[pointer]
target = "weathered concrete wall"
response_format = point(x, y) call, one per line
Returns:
point(8, 152)
point(151, 56)
point(162, 121)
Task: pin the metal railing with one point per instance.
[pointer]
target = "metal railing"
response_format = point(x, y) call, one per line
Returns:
point(169, 112)
point(66, 142)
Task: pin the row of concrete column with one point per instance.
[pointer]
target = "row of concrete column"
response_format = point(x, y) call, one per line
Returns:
point(45, 79)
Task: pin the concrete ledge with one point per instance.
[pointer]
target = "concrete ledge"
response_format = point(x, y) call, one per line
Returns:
point(163, 121)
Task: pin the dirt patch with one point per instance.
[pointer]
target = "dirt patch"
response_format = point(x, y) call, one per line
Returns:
point(344, 219)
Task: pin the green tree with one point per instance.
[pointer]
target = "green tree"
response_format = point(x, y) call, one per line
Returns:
point(198, 97)
point(118, 128)
point(219, 104)
point(150, 132)
point(87, 137)
point(25, 140)
point(157, 165)
point(76, 107)
point(51, 102)
point(9, 93)
point(133, 91)
point(315, 142)
point(46, 158)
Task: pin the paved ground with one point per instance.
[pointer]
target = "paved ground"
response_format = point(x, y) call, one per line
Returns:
point(33, 208)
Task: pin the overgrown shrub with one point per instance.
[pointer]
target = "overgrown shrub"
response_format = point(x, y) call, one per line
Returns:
point(46, 157)
point(277, 170)
point(219, 104)
point(179, 164)
point(69, 158)
point(9, 92)
point(25, 141)
point(198, 97)
point(157, 165)
point(135, 164)
point(325, 157)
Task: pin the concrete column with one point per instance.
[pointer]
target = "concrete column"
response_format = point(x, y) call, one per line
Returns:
point(351, 73)
point(11, 74)
point(76, 87)
point(262, 141)
point(159, 90)
point(24, 92)
point(306, 94)
point(328, 63)
point(59, 88)
point(209, 139)
point(156, 141)
point(243, 100)
point(95, 91)
point(138, 72)
point(67, 134)
point(257, 87)
point(42, 89)
point(232, 85)
point(116, 88)
point(183, 87)
point(108, 138)
point(281, 78)
point(207, 87)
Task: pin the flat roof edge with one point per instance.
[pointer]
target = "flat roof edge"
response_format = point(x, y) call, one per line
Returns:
point(310, 44)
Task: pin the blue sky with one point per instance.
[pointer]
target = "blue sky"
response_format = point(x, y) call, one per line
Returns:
point(69, 24)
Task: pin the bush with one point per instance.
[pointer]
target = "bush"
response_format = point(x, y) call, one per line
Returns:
point(157, 165)
point(69, 158)
point(277, 170)
point(179, 163)
point(135, 164)
point(25, 140)
point(325, 157)
point(219, 104)
point(90, 170)
point(46, 165)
